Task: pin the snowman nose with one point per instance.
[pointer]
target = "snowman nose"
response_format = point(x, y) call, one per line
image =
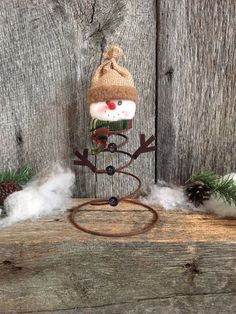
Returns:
point(111, 105)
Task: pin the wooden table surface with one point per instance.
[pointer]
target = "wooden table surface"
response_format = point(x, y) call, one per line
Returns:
point(186, 264)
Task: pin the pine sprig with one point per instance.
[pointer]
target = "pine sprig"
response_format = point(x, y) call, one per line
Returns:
point(226, 189)
point(221, 187)
point(21, 175)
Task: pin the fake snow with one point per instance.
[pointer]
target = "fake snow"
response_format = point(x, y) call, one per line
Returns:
point(172, 197)
point(167, 197)
point(48, 193)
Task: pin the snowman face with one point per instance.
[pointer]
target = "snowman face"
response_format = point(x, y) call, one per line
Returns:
point(113, 110)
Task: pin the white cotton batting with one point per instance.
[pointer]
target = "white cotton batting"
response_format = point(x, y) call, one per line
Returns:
point(49, 192)
point(170, 198)
point(167, 197)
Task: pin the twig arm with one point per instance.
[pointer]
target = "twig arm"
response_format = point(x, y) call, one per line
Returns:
point(143, 148)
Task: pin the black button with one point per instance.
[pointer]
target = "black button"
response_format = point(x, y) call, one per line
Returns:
point(110, 170)
point(112, 147)
point(113, 201)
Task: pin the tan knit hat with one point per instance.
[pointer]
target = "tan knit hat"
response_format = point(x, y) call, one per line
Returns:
point(111, 81)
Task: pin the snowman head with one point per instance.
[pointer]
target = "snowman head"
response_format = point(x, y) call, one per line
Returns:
point(113, 110)
point(112, 95)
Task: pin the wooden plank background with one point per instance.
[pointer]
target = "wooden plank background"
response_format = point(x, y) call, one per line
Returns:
point(196, 88)
point(50, 49)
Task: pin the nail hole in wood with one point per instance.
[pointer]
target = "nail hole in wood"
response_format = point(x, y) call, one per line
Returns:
point(19, 138)
point(18, 267)
point(192, 267)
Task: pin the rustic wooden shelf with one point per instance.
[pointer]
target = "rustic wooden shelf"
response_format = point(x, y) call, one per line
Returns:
point(185, 265)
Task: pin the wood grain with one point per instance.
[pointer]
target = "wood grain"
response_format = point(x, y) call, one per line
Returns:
point(196, 88)
point(42, 109)
point(186, 264)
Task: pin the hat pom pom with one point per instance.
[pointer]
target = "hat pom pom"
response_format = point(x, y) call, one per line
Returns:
point(113, 52)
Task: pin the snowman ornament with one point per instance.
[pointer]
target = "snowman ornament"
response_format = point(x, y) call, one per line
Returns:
point(112, 100)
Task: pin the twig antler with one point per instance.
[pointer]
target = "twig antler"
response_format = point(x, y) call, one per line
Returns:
point(144, 146)
point(84, 160)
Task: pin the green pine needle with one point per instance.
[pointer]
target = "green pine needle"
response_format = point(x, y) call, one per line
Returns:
point(20, 176)
point(221, 187)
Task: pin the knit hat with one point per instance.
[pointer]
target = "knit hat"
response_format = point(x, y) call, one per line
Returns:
point(111, 81)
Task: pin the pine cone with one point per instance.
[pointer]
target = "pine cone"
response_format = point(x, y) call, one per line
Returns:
point(7, 188)
point(197, 192)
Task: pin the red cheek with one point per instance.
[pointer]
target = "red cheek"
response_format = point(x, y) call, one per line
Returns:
point(102, 108)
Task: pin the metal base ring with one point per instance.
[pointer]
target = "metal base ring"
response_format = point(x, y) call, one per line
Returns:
point(149, 226)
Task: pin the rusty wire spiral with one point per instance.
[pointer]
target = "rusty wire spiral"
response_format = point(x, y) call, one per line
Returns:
point(110, 170)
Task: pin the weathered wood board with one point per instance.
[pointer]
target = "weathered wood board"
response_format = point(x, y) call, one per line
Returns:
point(187, 264)
point(196, 125)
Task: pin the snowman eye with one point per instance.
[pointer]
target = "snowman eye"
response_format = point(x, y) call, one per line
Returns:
point(119, 102)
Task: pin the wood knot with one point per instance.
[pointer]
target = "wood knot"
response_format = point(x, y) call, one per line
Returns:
point(169, 74)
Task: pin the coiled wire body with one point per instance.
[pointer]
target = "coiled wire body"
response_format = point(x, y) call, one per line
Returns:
point(114, 201)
